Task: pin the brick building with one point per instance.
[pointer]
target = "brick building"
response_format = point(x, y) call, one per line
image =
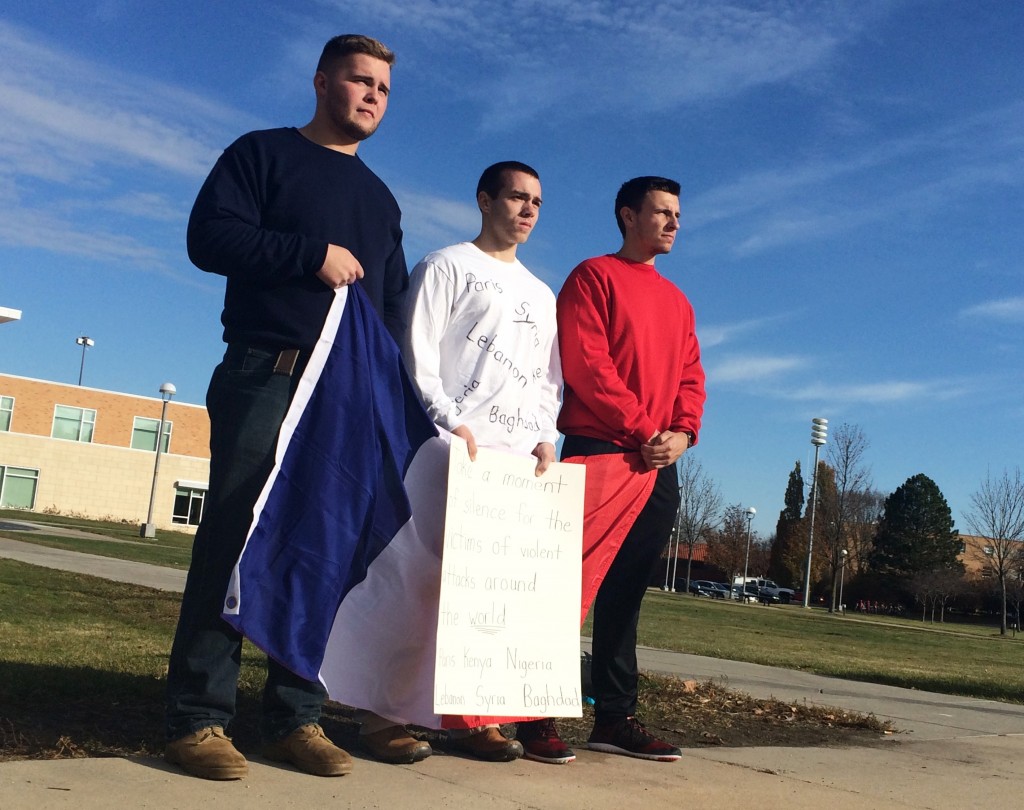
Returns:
point(979, 557)
point(83, 451)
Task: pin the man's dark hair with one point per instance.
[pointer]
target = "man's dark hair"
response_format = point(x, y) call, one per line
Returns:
point(492, 181)
point(345, 45)
point(632, 194)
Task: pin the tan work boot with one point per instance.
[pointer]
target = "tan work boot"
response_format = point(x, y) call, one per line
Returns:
point(490, 745)
point(208, 754)
point(395, 745)
point(309, 750)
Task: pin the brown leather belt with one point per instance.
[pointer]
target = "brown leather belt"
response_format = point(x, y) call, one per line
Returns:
point(286, 361)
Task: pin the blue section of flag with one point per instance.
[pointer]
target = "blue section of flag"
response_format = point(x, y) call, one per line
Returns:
point(337, 495)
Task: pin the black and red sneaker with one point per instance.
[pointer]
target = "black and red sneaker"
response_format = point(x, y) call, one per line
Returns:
point(541, 742)
point(629, 737)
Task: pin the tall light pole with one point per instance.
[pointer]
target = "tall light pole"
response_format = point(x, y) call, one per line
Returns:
point(167, 390)
point(842, 576)
point(672, 559)
point(675, 557)
point(668, 559)
point(819, 432)
point(85, 343)
point(751, 511)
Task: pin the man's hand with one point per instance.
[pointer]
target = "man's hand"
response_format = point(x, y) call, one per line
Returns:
point(464, 432)
point(340, 268)
point(545, 453)
point(664, 449)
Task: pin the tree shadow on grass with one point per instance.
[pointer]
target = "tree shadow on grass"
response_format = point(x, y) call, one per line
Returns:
point(53, 712)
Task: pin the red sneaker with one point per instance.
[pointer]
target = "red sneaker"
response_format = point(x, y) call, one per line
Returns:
point(630, 738)
point(541, 742)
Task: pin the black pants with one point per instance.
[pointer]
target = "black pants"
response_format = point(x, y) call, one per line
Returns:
point(617, 605)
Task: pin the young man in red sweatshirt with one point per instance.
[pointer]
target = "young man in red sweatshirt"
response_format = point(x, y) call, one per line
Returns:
point(634, 386)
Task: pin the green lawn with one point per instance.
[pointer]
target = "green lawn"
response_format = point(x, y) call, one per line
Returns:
point(956, 659)
point(170, 549)
point(83, 662)
point(962, 659)
point(83, 665)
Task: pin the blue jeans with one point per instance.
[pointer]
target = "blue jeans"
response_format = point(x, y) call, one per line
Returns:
point(247, 403)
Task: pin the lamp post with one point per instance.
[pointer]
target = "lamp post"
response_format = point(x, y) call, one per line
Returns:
point(167, 390)
point(819, 432)
point(675, 557)
point(842, 576)
point(86, 343)
point(672, 559)
point(751, 511)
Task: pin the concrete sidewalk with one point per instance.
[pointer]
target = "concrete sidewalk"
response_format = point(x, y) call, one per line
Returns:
point(951, 753)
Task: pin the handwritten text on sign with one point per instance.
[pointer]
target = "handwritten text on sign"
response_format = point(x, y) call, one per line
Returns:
point(508, 624)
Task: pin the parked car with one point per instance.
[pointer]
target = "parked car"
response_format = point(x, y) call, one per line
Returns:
point(697, 588)
point(749, 593)
point(714, 589)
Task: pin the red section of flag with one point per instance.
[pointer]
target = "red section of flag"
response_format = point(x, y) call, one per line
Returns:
point(618, 486)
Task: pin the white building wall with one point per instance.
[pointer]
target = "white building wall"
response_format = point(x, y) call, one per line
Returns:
point(99, 481)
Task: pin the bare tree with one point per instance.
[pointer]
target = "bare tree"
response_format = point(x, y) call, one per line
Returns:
point(934, 590)
point(700, 507)
point(865, 509)
point(727, 546)
point(998, 516)
point(842, 519)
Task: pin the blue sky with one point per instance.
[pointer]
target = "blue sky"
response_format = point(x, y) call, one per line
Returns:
point(852, 172)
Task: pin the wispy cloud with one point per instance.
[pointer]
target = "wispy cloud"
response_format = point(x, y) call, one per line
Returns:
point(549, 51)
point(35, 229)
point(429, 220)
point(74, 134)
point(888, 391)
point(102, 116)
point(817, 199)
point(752, 368)
point(1001, 309)
point(717, 334)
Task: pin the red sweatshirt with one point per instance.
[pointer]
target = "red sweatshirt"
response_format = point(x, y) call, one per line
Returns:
point(629, 351)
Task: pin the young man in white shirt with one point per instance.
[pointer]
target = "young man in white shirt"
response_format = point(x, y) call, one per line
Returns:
point(482, 349)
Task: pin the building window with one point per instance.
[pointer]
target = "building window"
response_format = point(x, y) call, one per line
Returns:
point(188, 506)
point(989, 550)
point(144, 432)
point(6, 412)
point(18, 487)
point(986, 573)
point(75, 424)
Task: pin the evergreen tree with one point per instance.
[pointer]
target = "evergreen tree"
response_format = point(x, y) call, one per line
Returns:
point(794, 501)
point(788, 531)
point(915, 534)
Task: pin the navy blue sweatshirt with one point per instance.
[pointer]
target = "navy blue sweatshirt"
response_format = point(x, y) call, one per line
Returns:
point(264, 218)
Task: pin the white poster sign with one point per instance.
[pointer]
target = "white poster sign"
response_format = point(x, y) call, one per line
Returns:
point(508, 623)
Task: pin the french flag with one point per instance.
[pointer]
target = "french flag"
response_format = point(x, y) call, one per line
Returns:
point(336, 497)
point(339, 579)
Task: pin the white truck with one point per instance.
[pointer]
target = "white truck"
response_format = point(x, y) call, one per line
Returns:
point(765, 589)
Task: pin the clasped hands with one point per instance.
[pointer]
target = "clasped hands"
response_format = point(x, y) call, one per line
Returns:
point(664, 449)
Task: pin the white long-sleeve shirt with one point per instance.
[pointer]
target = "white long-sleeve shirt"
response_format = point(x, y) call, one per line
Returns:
point(481, 347)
